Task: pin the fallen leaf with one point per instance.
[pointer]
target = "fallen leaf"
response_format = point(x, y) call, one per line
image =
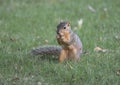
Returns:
point(80, 23)
point(39, 83)
point(13, 39)
point(105, 9)
point(38, 37)
point(75, 28)
point(98, 49)
point(117, 37)
point(91, 9)
point(46, 41)
point(118, 73)
point(15, 79)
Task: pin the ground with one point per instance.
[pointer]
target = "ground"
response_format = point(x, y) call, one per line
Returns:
point(26, 24)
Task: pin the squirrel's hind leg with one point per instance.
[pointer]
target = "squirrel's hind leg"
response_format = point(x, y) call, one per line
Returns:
point(76, 55)
point(63, 55)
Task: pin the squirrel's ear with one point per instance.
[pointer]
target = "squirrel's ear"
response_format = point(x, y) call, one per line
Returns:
point(68, 23)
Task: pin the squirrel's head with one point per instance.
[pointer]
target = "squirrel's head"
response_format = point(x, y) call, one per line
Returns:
point(63, 27)
point(63, 32)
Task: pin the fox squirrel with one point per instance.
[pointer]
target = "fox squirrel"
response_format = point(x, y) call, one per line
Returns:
point(70, 44)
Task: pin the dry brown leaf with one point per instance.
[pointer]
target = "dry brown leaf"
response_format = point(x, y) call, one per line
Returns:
point(13, 39)
point(15, 79)
point(98, 49)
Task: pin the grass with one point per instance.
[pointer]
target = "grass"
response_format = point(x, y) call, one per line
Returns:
point(25, 24)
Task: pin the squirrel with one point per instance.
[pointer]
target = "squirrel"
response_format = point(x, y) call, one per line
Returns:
point(70, 44)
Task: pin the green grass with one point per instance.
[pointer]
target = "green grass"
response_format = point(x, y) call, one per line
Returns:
point(25, 24)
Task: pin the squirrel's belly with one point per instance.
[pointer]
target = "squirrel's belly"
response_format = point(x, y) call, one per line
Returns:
point(72, 54)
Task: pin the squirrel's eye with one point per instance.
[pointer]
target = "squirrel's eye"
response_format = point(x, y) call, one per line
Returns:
point(64, 27)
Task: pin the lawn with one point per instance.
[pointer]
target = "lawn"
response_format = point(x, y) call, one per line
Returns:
point(27, 24)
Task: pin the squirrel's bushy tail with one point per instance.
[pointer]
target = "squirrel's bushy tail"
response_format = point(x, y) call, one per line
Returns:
point(47, 50)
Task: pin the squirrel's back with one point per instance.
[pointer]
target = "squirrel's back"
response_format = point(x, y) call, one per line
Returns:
point(78, 42)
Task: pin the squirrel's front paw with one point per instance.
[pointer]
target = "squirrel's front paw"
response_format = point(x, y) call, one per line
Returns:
point(64, 39)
